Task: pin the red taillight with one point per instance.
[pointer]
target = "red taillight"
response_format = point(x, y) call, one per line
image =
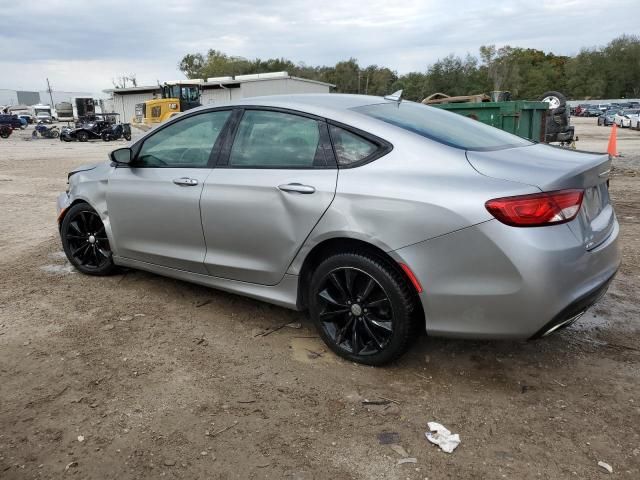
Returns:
point(538, 209)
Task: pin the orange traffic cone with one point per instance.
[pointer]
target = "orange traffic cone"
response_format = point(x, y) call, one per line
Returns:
point(612, 149)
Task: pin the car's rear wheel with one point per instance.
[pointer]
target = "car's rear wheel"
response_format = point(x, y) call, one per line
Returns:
point(362, 307)
point(85, 241)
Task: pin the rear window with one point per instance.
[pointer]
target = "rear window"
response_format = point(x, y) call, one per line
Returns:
point(442, 126)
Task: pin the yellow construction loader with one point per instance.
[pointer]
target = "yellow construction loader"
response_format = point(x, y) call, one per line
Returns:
point(175, 97)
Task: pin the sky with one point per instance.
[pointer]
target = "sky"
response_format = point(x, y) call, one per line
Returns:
point(83, 45)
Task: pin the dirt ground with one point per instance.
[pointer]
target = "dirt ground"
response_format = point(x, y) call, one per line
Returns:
point(139, 376)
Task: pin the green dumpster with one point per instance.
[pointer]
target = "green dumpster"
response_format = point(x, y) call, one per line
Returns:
point(523, 118)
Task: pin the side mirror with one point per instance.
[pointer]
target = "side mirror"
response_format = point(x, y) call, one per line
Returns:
point(121, 156)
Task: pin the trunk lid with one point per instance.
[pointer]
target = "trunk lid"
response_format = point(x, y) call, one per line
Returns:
point(551, 168)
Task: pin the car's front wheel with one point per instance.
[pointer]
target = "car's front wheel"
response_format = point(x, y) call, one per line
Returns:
point(362, 307)
point(85, 241)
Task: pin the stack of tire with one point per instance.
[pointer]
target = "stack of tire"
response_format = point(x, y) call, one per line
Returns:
point(558, 128)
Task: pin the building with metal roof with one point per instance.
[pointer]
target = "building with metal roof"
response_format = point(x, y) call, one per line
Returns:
point(217, 90)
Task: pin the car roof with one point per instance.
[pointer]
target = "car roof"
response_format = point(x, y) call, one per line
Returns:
point(328, 105)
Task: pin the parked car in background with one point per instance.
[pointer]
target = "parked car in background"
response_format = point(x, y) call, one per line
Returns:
point(607, 117)
point(28, 118)
point(578, 110)
point(379, 217)
point(11, 120)
point(592, 111)
point(44, 117)
point(623, 118)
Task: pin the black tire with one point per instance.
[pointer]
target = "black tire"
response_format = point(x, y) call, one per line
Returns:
point(82, 136)
point(562, 100)
point(66, 138)
point(34, 134)
point(85, 241)
point(4, 133)
point(375, 301)
point(55, 133)
point(127, 137)
point(105, 137)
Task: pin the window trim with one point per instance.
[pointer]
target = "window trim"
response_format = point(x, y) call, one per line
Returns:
point(383, 149)
point(215, 151)
point(324, 140)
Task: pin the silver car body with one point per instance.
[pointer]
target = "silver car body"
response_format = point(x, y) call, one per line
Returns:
point(422, 203)
point(627, 117)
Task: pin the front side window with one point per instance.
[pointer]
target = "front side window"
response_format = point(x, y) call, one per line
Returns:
point(275, 140)
point(349, 147)
point(186, 143)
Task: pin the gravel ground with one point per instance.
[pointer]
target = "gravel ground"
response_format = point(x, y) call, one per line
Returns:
point(139, 376)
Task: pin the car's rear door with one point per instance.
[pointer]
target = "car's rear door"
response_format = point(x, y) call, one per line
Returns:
point(270, 188)
point(154, 204)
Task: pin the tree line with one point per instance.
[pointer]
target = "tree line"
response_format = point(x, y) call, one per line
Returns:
point(611, 71)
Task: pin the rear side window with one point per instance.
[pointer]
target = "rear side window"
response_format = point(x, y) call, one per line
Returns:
point(349, 147)
point(442, 126)
point(268, 139)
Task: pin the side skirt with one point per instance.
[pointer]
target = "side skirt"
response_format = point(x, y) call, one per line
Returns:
point(283, 294)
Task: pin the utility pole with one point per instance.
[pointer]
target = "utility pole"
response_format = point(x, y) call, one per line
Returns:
point(50, 94)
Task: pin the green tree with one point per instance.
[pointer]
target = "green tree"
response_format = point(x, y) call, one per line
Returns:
point(612, 71)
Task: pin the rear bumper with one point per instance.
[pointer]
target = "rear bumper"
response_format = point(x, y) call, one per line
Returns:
point(574, 311)
point(496, 281)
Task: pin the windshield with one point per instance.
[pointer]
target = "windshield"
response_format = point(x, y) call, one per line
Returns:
point(629, 112)
point(190, 94)
point(442, 126)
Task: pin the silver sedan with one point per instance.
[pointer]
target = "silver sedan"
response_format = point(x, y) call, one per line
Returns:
point(380, 217)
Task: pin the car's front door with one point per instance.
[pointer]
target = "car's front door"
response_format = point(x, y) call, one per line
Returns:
point(273, 186)
point(154, 204)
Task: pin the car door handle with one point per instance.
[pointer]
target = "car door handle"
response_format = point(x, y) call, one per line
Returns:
point(185, 181)
point(296, 188)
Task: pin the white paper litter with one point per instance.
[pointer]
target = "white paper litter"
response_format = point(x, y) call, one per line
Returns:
point(606, 466)
point(442, 437)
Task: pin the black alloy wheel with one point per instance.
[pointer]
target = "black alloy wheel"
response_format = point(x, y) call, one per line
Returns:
point(362, 307)
point(85, 241)
point(82, 136)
